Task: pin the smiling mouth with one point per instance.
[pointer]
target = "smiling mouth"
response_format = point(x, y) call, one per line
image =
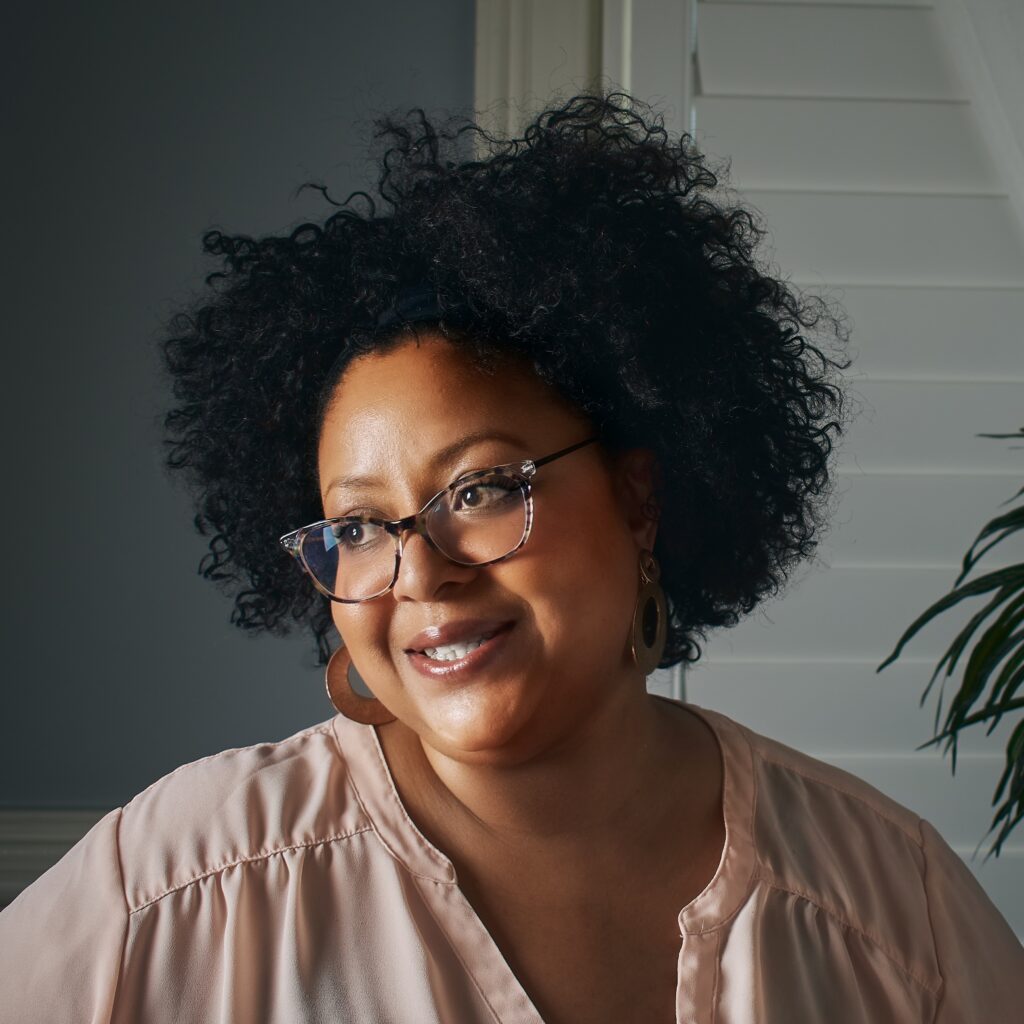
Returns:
point(457, 659)
point(453, 652)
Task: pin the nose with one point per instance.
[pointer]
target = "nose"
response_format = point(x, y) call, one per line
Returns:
point(423, 570)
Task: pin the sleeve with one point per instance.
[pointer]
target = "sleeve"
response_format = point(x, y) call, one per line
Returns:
point(61, 940)
point(980, 959)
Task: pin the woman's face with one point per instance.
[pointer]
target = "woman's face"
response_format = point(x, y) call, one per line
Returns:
point(565, 600)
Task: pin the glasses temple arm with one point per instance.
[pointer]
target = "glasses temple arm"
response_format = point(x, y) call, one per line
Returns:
point(564, 451)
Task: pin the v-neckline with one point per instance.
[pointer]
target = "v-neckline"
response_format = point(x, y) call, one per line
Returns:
point(371, 777)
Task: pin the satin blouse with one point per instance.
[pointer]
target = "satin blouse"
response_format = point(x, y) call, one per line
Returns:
point(285, 882)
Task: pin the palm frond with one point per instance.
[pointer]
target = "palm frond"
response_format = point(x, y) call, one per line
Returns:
point(995, 662)
point(1005, 525)
point(1006, 580)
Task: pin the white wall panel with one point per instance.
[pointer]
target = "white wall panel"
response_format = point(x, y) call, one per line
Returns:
point(966, 333)
point(845, 3)
point(922, 519)
point(829, 50)
point(931, 426)
point(850, 238)
point(838, 708)
point(848, 612)
point(854, 145)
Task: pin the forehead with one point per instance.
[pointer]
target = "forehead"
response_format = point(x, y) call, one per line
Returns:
point(417, 397)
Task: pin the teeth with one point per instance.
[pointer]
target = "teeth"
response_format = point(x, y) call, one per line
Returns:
point(455, 651)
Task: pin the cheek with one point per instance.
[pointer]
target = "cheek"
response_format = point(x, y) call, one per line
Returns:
point(582, 579)
point(344, 622)
point(363, 630)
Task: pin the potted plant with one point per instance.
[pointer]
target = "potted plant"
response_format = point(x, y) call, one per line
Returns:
point(994, 671)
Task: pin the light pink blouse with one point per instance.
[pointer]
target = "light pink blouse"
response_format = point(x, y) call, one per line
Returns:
point(285, 882)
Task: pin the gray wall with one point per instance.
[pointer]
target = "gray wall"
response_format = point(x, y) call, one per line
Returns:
point(133, 129)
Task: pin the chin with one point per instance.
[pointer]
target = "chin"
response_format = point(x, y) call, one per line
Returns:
point(479, 725)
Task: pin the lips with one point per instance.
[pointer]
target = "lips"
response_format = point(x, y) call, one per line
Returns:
point(459, 632)
point(474, 666)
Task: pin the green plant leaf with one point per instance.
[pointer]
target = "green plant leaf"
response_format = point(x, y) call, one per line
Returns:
point(1009, 678)
point(1005, 525)
point(1018, 433)
point(1014, 754)
point(993, 645)
point(1016, 789)
point(1014, 774)
point(1011, 577)
point(997, 659)
point(989, 711)
point(956, 648)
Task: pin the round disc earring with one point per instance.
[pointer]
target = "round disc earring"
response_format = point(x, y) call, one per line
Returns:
point(650, 616)
point(366, 710)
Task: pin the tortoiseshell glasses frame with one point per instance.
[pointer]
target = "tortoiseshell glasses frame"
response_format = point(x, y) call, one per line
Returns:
point(521, 473)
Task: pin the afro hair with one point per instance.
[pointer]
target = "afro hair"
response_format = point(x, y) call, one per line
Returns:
point(597, 247)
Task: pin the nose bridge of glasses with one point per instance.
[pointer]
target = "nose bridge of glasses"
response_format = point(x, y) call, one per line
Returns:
point(417, 522)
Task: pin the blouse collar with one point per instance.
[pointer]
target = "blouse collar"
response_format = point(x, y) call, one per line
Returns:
point(730, 885)
point(375, 788)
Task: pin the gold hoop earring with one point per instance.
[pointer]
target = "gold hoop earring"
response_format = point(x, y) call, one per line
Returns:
point(650, 617)
point(366, 710)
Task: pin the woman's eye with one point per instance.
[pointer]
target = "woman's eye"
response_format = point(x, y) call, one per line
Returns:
point(356, 535)
point(470, 497)
point(482, 494)
point(348, 534)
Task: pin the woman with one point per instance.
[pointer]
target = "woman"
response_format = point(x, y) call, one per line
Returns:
point(527, 434)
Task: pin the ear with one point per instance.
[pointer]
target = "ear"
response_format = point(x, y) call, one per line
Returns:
point(637, 480)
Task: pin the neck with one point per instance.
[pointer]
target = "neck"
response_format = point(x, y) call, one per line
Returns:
point(601, 792)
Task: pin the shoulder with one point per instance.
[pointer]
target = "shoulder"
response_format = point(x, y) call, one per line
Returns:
point(825, 837)
point(832, 800)
point(818, 826)
point(236, 806)
point(829, 838)
point(790, 796)
point(66, 936)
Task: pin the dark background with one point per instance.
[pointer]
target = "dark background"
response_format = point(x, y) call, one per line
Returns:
point(129, 131)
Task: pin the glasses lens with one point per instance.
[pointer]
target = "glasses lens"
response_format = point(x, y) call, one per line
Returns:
point(479, 519)
point(352, 560)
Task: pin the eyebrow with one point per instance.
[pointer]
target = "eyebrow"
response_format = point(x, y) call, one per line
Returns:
point(443, 456)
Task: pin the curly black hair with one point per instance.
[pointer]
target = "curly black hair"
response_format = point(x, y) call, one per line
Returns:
point(596, 246)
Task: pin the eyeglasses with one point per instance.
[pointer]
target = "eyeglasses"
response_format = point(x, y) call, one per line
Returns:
point(483, 517)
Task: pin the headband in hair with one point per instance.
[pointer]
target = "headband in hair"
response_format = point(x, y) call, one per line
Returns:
point(414, 303)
